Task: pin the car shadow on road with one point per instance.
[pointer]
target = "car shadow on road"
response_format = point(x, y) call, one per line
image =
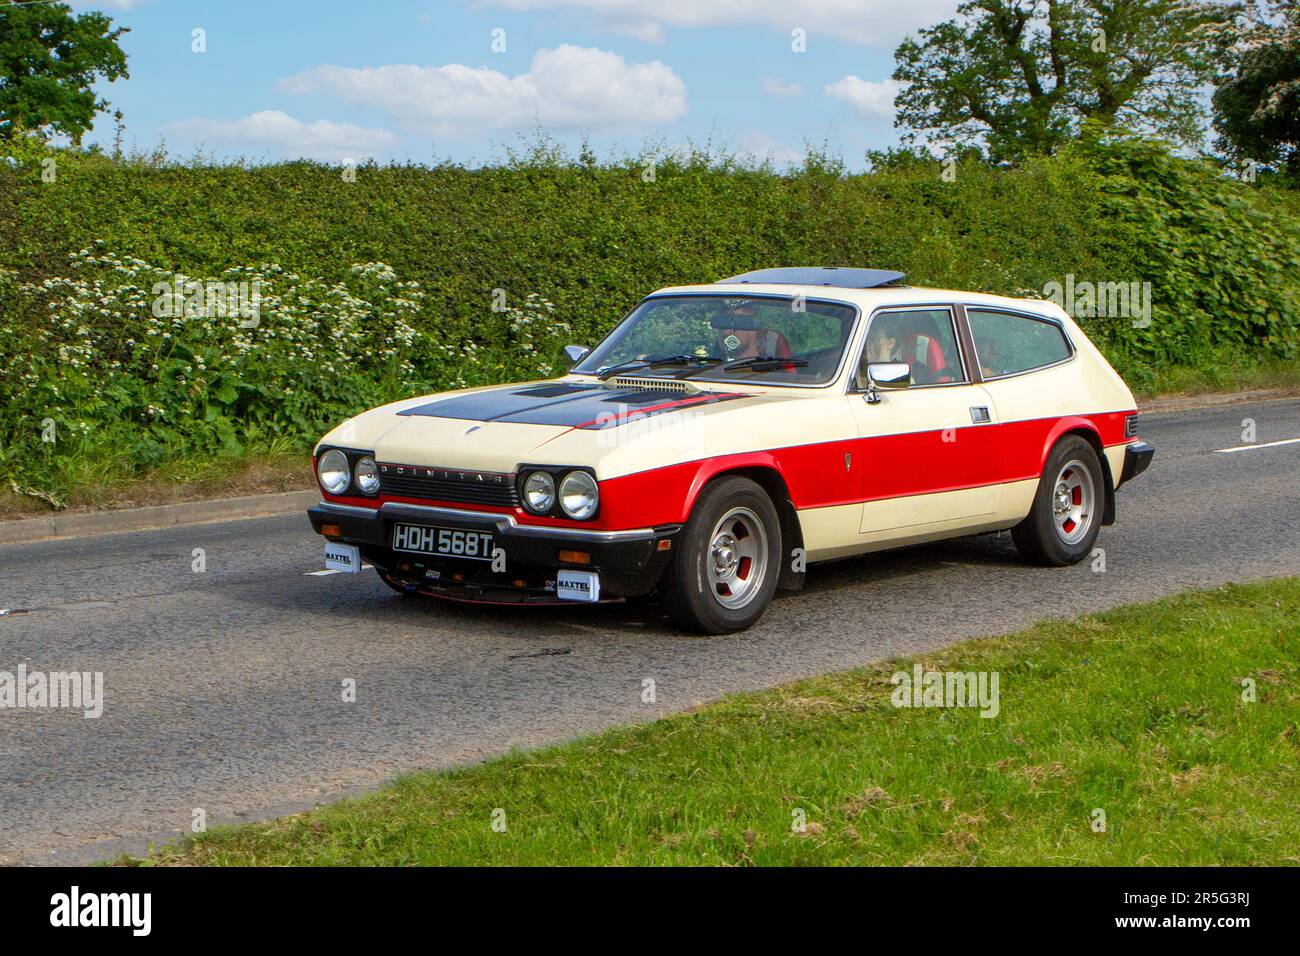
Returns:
point(984, 550)
point(366, 596)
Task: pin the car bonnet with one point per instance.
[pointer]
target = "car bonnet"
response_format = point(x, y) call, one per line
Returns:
point(590, 405)
point(495, 429)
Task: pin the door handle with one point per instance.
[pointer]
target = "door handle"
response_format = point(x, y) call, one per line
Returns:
point(979, 414)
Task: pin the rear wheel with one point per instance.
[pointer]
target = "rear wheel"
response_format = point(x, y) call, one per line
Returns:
point(1066, 516)
point(725, 569)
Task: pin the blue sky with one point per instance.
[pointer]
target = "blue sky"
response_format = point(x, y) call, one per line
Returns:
point(420, 79)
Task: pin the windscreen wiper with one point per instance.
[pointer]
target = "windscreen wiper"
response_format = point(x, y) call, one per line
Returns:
point(764, 363)
point(635, 365)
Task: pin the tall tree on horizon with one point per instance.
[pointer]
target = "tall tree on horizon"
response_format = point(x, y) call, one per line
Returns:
point(1257, 100)
point(49, 61)
point(1017, 77)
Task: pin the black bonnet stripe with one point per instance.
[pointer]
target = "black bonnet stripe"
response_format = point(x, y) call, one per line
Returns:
point(569, 404)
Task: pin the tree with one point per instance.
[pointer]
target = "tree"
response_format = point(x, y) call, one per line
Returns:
point(1021, 76)
point(49, 60)
point(1257, 100)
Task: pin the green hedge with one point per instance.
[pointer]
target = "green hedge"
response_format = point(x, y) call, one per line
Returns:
point(585, 242)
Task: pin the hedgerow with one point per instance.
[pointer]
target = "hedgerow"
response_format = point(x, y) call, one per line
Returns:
point(412, 278)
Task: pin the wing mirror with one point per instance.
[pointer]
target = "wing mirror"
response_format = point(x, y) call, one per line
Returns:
point(576, 353)
point(888, 375)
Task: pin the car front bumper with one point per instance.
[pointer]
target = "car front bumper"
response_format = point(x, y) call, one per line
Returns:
point(629, 563)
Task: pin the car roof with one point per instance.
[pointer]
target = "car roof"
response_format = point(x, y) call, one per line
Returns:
point(873, 298)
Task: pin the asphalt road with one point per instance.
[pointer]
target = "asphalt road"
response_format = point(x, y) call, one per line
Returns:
point(224, 687)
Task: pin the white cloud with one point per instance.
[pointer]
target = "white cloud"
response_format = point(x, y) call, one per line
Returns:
point(645, 30)
point(870, 99)
point(760, 145)
point(287, 137)
point(876, 23)
point(775, 86)
point(568, 88)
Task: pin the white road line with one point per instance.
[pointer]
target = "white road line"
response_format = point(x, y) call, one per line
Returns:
point(317, 574)
point(1267, 444)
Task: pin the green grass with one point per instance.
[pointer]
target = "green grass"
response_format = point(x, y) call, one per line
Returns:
point(1138, 712)
point(99, 481)
point(1227, 372)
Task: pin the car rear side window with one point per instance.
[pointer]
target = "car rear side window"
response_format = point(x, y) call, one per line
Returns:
point(1008, 343)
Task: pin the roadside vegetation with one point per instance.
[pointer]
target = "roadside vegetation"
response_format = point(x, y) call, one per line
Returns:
point(1036, 154)
point(1159, 734)
point(415, 278)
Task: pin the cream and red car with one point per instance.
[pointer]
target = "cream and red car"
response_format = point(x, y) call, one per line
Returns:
point(723, 438)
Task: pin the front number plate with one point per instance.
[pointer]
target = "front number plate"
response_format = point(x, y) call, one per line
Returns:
point(342, 557)
point(443, 542)
point(577, 586)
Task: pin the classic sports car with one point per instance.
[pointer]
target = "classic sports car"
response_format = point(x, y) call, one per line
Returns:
point(724, 437)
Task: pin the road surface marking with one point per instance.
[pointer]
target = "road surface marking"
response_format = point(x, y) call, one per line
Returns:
point(1267, 444)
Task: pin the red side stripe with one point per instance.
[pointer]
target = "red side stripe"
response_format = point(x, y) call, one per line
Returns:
point(887, 466)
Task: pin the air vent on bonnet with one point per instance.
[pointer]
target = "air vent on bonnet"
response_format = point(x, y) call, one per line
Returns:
point(650, 384)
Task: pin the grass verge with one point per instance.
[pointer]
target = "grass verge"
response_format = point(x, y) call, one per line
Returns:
point(1141, 713)
point(191, 479)
point(1231, 374)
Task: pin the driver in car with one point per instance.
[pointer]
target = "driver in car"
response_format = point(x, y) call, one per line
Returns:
point(882, 343)
point(740, 336)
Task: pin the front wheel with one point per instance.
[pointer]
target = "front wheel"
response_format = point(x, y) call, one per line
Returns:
point(1066, 516)
point(725, 570)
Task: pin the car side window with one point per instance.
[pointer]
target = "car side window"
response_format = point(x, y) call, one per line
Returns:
point(925, 339)
point(1007, 343)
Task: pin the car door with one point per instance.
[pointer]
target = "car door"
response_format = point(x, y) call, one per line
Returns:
point(1025, 366)
point(929, 451)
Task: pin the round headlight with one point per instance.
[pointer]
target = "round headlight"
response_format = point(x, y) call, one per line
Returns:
point(539, 492)
point(367, 476)
point(579, 495)
point(332, 469)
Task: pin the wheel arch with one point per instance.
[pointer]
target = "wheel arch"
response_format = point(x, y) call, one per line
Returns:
point(1088, 432)
point(762, 469)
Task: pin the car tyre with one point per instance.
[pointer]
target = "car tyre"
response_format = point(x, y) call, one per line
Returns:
point(725, 567)
point(1065, 519)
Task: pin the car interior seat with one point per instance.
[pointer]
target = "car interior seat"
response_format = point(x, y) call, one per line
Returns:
point(932, 369)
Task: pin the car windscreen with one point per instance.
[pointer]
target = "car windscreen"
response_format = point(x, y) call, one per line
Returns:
point(701, 335)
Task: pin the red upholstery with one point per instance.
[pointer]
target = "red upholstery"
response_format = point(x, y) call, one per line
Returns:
point(935, 364)
point(934, 358)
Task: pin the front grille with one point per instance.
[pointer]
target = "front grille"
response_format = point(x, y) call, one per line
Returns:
point(448, 484)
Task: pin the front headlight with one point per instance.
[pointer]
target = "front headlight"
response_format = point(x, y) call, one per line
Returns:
point(332, 470)
point(367, 476)
point(539, 492)
point(579, 495)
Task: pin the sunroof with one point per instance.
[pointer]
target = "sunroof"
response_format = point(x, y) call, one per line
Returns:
point(819, 275)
